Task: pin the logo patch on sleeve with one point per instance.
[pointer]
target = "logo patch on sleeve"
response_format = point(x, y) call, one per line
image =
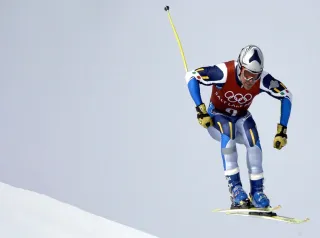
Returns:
point(274, 84)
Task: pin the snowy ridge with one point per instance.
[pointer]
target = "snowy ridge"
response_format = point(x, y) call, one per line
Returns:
point(28, 214)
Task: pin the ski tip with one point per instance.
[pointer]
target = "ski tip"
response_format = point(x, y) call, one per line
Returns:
point(277, 207)
point(217, 210)
point(302, 221)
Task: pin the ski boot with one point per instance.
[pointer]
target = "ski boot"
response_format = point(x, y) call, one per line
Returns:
point(257, 197)
point(239, 198)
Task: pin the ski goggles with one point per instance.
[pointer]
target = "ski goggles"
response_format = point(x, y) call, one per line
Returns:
point(250, 75)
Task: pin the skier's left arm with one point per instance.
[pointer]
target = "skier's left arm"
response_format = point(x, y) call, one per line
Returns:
point(278, 90)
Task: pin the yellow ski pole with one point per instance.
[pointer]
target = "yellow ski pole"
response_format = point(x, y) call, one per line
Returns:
point(177, 38)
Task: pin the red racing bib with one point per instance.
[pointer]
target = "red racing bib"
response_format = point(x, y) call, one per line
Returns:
point(233, 99)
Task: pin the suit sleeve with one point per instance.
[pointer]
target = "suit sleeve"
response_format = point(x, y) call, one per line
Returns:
point(207, 76)
point(278, 90)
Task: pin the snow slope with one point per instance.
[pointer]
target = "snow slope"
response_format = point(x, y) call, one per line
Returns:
point(28, 214)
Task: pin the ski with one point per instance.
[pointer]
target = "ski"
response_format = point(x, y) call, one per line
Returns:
point(273, 216)
point(253, 209)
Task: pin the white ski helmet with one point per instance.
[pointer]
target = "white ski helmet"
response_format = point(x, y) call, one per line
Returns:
point(251, 58)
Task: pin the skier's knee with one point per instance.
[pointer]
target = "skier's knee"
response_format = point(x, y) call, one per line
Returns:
point(228, 146)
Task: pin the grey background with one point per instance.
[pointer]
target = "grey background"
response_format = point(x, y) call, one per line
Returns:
point(95, 110)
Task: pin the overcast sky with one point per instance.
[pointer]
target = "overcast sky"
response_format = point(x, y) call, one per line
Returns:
point(95, 110)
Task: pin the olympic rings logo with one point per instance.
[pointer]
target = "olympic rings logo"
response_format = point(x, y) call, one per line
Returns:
point(239, 98)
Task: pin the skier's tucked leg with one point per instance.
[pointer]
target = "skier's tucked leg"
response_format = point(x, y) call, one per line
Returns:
point(229, 156)
point(250, 135)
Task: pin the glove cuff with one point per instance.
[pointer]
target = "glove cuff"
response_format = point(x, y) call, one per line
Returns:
point(281, 129)
point(201, 109)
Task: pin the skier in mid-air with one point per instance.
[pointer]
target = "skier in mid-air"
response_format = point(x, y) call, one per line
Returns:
point(234, 85)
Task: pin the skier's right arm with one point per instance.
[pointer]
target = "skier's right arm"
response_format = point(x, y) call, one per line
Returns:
point(208, 76)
